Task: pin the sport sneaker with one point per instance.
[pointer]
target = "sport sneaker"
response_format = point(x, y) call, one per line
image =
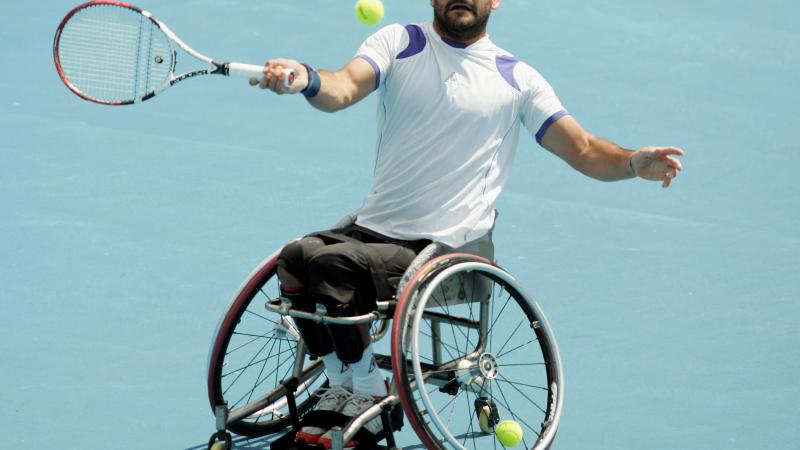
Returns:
point(330, 399)
point(355, 405)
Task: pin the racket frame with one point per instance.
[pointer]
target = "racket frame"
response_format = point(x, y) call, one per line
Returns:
point(214, 68)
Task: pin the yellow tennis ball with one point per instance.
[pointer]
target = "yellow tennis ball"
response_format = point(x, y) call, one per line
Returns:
point(509, 433)
point(369, 12)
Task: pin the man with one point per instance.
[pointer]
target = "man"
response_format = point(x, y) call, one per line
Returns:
point(450, 108)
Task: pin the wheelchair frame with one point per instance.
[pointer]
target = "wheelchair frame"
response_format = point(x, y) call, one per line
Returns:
point(425, 278)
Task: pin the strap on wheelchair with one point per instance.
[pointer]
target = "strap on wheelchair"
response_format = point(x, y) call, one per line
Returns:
point(376, 266)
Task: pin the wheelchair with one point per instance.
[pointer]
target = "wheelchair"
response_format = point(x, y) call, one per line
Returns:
point(467, 348)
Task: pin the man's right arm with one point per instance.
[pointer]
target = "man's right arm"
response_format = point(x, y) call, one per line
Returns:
point(337, 90)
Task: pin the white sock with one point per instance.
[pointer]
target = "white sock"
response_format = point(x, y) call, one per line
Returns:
point(338, 373)
point(367, 378)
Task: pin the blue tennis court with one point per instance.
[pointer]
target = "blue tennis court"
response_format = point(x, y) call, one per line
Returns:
point(124, 231)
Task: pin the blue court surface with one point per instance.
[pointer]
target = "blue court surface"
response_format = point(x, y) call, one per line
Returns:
point(124, 231)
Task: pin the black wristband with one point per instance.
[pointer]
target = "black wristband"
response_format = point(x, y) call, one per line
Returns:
point(314, 83)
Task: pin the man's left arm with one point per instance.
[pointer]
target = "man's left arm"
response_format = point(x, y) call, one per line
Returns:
point(604, 160)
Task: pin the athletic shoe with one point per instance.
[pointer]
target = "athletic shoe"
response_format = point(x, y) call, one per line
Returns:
point(355, 405)
point(330, 399)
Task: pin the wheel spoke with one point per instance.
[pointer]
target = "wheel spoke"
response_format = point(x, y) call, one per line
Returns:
point(255, 338)
point(515, 416)
point(471, 423)
point(452, 326)
point(260, 316)
point(511, 336)
point(446, 345)
point(524, 364)
point(491, 327)
point(241, 372)
point(523, 394)
point(249, 365)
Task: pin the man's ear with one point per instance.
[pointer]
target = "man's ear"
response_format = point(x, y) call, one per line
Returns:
point(495, 4)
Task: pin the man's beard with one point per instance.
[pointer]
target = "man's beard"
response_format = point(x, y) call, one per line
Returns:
point(461, 29)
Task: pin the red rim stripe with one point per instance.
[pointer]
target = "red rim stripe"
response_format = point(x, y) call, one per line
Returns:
point(230, 320)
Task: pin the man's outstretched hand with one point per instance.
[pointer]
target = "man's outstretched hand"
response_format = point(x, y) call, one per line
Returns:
point(657, 164)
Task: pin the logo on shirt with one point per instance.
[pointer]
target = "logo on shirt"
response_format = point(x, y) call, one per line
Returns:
point(452, 79)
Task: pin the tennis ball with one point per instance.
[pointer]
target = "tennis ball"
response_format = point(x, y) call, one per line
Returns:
point(509, 433)
point(369, 12)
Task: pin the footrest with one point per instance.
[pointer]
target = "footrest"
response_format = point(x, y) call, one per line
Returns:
point(325, 420)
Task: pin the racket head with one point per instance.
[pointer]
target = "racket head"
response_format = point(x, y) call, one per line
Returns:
point(113, 53)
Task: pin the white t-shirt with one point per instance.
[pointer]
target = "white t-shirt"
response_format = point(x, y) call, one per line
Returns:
point(448, 127)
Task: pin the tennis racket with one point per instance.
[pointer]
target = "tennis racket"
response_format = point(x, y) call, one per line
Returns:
point(114, 53)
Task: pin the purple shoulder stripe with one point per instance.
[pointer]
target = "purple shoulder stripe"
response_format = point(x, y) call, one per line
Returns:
point(374, 67)
point(505, 65)
point(416, 41)
point(546, 125)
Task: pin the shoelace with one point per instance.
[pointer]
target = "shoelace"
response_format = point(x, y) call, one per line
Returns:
point(360, 397)
point(333, 392)
point(357, 404)
point(357, 401)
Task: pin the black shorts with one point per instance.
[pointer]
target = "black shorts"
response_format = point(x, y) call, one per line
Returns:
point(338, 268)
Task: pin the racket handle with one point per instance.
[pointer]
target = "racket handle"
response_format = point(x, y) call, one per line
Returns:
point(251, 70)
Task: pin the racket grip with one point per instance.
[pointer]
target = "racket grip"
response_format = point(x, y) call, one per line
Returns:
point(251, 70)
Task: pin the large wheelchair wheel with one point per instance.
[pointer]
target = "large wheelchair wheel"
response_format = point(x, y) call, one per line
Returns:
point(470, 349)
point(253, 351)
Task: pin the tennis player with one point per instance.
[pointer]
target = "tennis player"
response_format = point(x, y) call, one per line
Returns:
point(450, 111)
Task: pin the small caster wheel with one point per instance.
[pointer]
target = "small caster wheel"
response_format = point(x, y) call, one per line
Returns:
point(221, 440)
point(488, 417)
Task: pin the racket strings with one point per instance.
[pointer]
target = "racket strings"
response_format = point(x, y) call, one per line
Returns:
point(114, 54)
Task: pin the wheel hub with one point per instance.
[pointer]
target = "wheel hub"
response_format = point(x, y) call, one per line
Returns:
point(488, 366)
point(474, 375)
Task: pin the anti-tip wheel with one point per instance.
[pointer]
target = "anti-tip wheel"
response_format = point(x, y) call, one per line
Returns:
point(221, 440)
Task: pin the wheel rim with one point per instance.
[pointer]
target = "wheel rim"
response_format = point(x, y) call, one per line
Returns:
point(491, 372)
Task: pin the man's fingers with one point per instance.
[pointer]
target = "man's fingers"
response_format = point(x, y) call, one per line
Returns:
point(662, 152)
point(266, 81)
point(275, 75)
point(667, 180)
point(668, 176)
point(275, 80)
point(674, 164)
